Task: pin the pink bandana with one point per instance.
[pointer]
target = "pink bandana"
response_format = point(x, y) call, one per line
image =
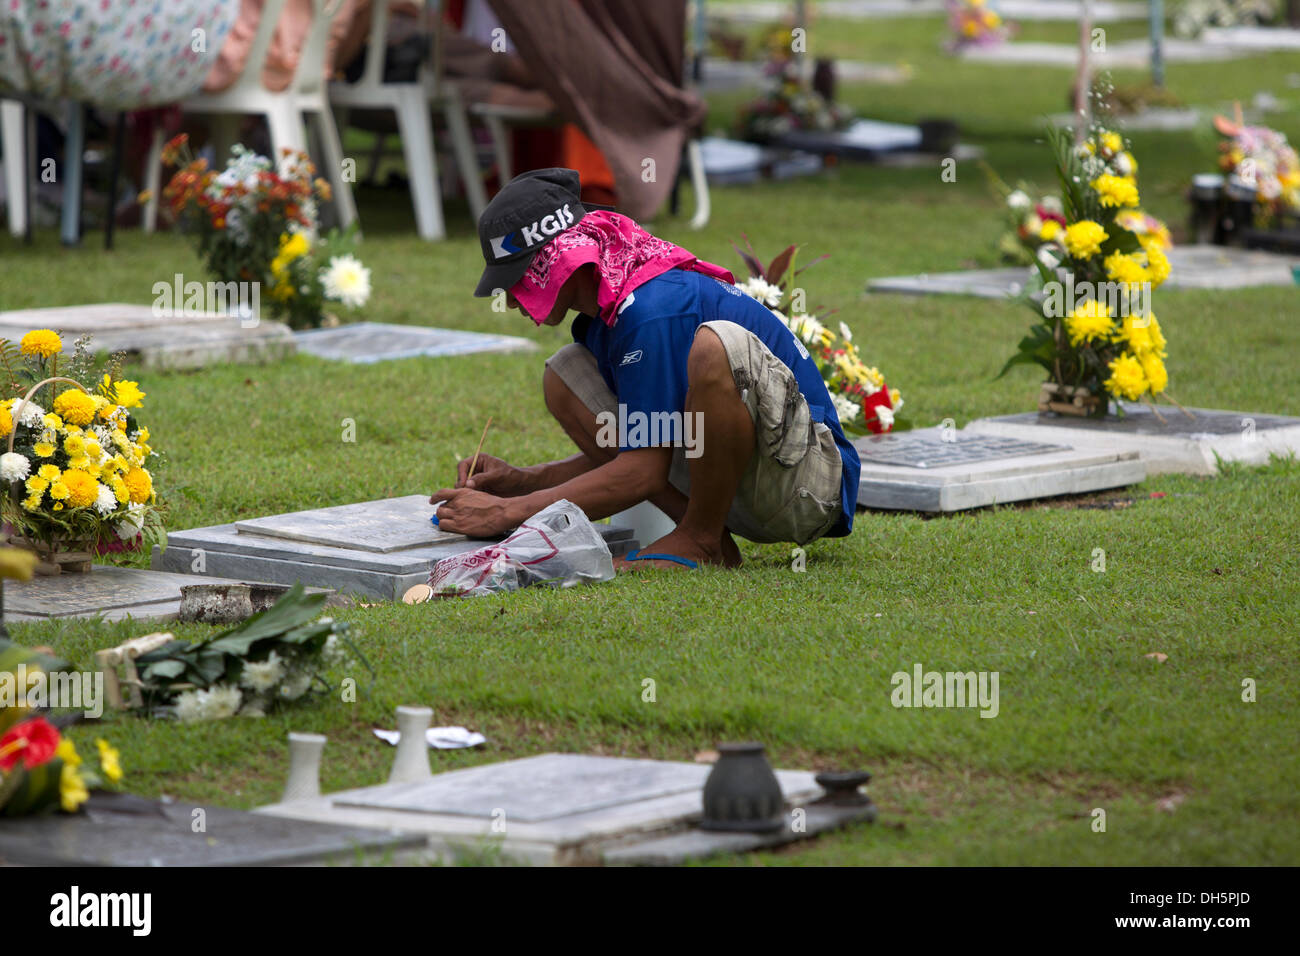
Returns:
point(625, 256)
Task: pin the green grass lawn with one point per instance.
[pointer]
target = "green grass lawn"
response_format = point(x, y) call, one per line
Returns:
point(1205, 573)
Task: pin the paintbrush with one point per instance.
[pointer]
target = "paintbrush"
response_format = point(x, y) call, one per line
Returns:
point(473, 464)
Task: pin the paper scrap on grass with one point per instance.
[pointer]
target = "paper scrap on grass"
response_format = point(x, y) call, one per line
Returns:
point(439, 738)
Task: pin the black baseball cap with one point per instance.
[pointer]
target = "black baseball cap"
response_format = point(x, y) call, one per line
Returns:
point(528, 212)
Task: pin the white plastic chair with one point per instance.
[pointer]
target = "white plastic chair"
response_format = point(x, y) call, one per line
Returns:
point(411, 103)
point(283, 110)
point(15, 164)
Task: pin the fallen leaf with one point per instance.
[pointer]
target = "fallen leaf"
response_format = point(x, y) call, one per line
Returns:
point(1157, 657)
point(706, 756)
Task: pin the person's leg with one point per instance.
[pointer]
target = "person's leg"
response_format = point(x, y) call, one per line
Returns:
point(576, 414)
point(726, 445)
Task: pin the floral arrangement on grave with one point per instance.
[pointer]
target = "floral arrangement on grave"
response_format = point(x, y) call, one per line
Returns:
point(1096, 334)
point(1192, 17)
point(40, 768)
point(1261, 162)
point(788, 103)
point(76, 459)
point(1031, 221)
point(257, 222)
point(863, 401)
point(276, 656)
point(975, 23)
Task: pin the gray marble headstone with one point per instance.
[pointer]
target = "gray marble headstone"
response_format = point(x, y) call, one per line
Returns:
point(367, 342)
point(157, 341)
point(937, 469)
point(1168, 439)
point(1125, 54)
point(552, 808)
point(119, 830)
point(375, 549)
point(106, 591)
point(1192, 267)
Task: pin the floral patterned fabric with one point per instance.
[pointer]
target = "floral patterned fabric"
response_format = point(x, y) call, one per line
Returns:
point(115, 54)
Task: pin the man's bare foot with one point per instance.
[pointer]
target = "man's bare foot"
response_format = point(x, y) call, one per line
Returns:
point(723, 553)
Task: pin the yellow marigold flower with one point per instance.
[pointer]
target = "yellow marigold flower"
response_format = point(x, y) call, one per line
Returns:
point(37, 485)
point(128, 394)
point(1051, 230)
point(33, 502)
point(1157, 266)
point(107, 412)
point(74, 445)
point(52, 421)
point(1157, 337)
point(1111, 142)
point(75, 406)
point(82, 488)
point(119, 490)
point(6, 423)
point(93, 448)
point(1124, 268)
point(1083, 239)
point(1135, 331)
point(1116, 191)
point(17, 564)
point(1089, 321)
point(109, 760)
point(1154, 370)
point(43, 449)
point(49, 472)
point(42, 342)
point(59, 490)
point(139, 485)
point(143, 436)
point(1127, 379)
point(72, 789)
point(80, 462)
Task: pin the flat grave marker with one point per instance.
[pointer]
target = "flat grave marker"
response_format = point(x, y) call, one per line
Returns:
point(364, 343)
point(942, 470)
point(157, 341)
point(1179, 443)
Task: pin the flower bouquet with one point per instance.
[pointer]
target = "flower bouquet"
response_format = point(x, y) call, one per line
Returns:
point(276, 656)
point(1260, 162)
point(76, 474)
point(789, 104)
point(1096, 335)
point(40, 769)
point(256, 222)
point(863, 402)
point(1031, 222)
point(975, 23)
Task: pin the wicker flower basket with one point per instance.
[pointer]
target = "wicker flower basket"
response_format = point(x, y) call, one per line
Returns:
point(58, 555)
point(1069, 400)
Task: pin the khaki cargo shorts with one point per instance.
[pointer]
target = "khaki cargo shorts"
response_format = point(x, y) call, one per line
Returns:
point(791, 489)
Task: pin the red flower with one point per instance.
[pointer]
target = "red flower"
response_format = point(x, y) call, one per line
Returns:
point(869, 406)
point(1046, 214)
point(31, 741)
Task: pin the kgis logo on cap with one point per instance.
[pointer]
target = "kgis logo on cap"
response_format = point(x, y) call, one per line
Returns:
point(530, 235)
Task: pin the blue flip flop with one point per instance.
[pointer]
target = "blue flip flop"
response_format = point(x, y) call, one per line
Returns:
point(684, 562)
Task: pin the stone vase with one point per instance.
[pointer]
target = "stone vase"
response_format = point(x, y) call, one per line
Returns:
point(304, 767)
point(411, 762)
point(742, 792)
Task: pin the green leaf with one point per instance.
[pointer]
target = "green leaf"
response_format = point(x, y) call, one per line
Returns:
point(290, 611)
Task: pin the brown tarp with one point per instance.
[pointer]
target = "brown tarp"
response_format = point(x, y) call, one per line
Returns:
point(614, 67)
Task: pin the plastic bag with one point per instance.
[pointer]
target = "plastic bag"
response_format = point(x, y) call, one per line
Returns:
point(556, 546)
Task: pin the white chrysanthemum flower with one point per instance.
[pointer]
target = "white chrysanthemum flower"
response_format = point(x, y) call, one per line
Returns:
point(132, 522)
point(105, 500)
point(846, 333)
point(1018, 200)
point(758, 288)
point(1052, 204)
point(263, 675)
point(333, 653)
point(846, 409)
point(806, 327)
point(346, 280)
point(1123, 165)
point(297, 685)
point(32, 415)
point(14, 467)
point(191, 706)
point(1049, 256)
point(223, 701)
point(885, 416)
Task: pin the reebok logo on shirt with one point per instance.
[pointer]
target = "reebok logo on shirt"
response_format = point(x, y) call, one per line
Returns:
point(631, 358)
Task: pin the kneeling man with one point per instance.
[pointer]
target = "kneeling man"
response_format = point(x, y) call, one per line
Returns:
point(678, 389)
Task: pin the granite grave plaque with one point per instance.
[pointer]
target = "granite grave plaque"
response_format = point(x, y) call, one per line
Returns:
point(122, 830)
point(158, 341)
point(375, 549)
point(1168, 440)
point(938, 469)
point(368, 342)
point(557, 808)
